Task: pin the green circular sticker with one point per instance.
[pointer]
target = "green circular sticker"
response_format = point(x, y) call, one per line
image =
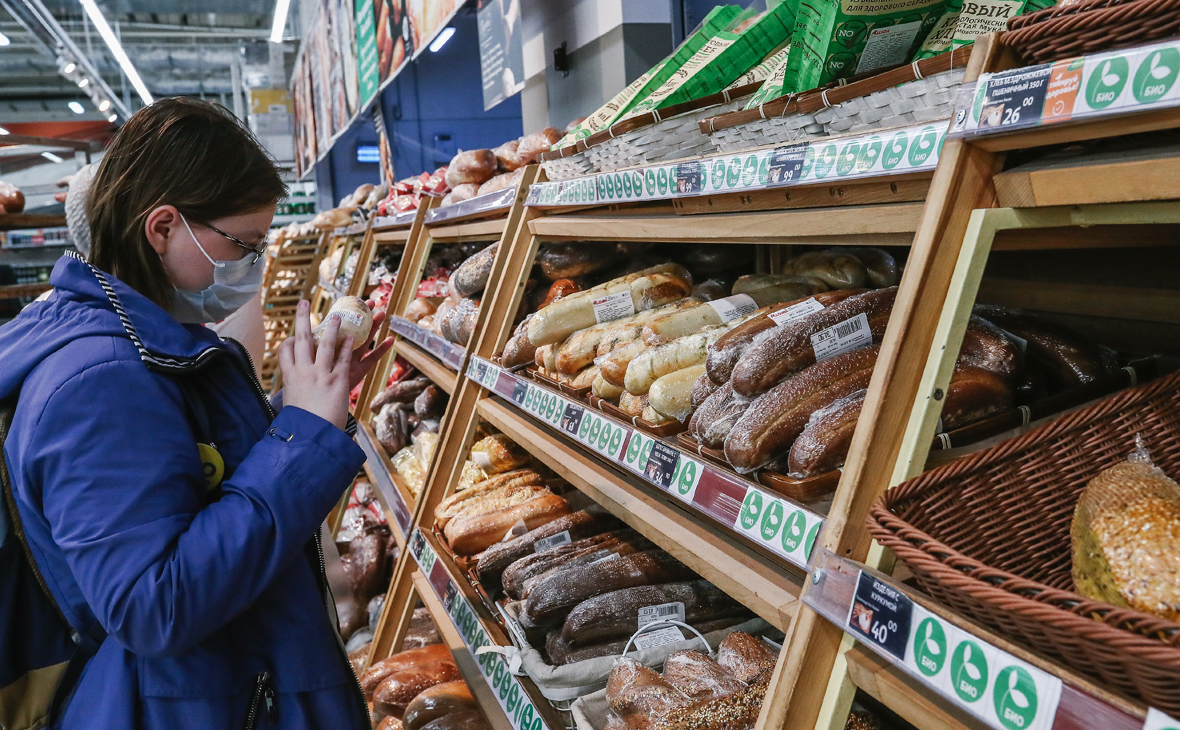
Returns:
point(847, 159)
point(650, 180)
point(930, 647)
point(1156, 75)
point(733, 172)
point(595, 430)
point(793, 531)
point(750, 171)
point(687, 475)
point(637, 178)
point(662, 180)
point(764, 170)
point(604, 437)
point(627, 185)
point(616, 440)
point(811, 535)
point(1107, 82)
point(808, 162)
point(923, 146)
point(619, 183)
point(751, 509)
point(717, 176)
point(969, 671)
point(870, 152)
point(1015, 697)
point(772, 520)
point(824, 160)
point(840, 65)
point(851, 33)
point(610, 186)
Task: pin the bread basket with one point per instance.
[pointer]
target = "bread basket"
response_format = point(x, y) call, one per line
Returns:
point(1090, 26)
point(989, 536)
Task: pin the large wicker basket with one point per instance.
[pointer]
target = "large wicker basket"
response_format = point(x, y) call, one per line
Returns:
point(988, 535)
point(1091, 26)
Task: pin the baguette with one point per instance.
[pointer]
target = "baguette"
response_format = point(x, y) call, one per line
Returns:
point(654, 417)
point(569, 261)
point(824, 443)
point(403, 391)
point(498, 453)
point(561, 653)
point(783, 351)
point(684, 321)
point(585, 378)
point(986, 346)
point(712, 422)
point(614, 365)
point(455, 503)
point(518, 350)
point(472, 534)
point(771, 424)
point(609, 551)
point(733, 344)
point(472, 275)
point(605, 390)
point(767, 289)
point(633, 405)
point(701, 390)
point(619, 337)
point(400, 688)
point(616, 614)
point(648, 288)
point(578, 350)
point(671, 394)
point(880, 266)
point(520, 571)
point(836, 269)
point(550, 601)
point(1068, 359)
point(582, 523)
point(656, 362)
point(505, 496)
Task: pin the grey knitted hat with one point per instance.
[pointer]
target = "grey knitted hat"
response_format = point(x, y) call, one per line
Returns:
point(76, 219)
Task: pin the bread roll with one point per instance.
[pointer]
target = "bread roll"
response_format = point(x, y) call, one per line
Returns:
point(472, 166)
point(472, 534)
point(639, 695)
point(390, 723)
point(532, 145)
point(403, 391)
point(881, 267)
point(1068, 359)
point(508, 155)
point(459, 323)
point(767, 289)
point(671, 394)
point(733, 712)
point(390, 427)
point(396, 663)
point(518, 351)
point(472, 275)
point(430, 403)
point(974, 393)
point(582, 523)
point(746, 657)
point(501, 182)
point(837, 270)
point(603, 389)
point(701, 390)
point(654, 363)
point(498, 453)
point(633, 405)
point(698, 677)
point(572, 260)
point(438, 701)
point(400, 688)
point(459, 193)
point(585, 378)
point(422, 307)
point(466, 720)
point(11, 198)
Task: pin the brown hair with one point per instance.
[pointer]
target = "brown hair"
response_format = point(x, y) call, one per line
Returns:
point(191, 154)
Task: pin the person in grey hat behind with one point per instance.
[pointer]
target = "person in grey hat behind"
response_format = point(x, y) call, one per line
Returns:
point(76, 221)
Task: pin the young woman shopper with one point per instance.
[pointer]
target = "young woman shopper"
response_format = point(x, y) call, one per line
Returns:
point(204, 591)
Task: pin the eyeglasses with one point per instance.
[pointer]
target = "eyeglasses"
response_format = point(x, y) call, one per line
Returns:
point(258, 252)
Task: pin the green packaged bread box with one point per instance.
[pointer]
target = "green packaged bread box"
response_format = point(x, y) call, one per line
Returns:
point(836, 39)
point(963, 21)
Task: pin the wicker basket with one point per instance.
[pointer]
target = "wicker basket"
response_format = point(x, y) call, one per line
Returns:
point(1091, 26)
point(988, 535)
point(913, 94)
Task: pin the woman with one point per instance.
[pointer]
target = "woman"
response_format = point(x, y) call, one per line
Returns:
point(205, 591)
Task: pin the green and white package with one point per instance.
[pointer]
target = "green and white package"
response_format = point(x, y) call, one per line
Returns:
point(963, 21)
point(725, 57)
point(764, 70)
point(716, 21)
point(835, 39)
point(772, 87)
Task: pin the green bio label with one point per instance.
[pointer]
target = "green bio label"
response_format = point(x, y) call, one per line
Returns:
point(1107, 82)
point(772, 520)
point(808, 162)
point(662, 180)
point(733, 172)
point(649, 179)
point(930, 647)
point(751, 509)
point(847, 159)
point(750, 171)
point(1015, 697)
point(895, 151)
point(1156, 75)
point(824, 160)
point(924, 146)
point(811, 535)
point(870, 152)
point(969, 671)
point(793, 531)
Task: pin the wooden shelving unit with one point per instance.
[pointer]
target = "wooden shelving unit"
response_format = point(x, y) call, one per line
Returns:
point(951, 222)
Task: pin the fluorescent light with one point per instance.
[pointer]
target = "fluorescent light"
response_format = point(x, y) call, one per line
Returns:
point(3, 130)
point(76, 107)
point(69, 68)
point(280, 21)
point(104, 29)
point(83, 83)
point(4, 40)
point(112, 118)
point(104, 105)
point(442, 39)
point(51, 157)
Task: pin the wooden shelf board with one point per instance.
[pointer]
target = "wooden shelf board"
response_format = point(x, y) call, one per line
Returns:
point(893, 189)
point(396, 235)
point(17, 221)
point(770, 591)
point(1094, 300)
point(467, 667)
point(440, 374)
point(896, 690)
point(887, 224)
point(480, 230)
point(1113, 176)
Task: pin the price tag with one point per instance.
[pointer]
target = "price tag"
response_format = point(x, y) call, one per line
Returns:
point(417, 542)
point(571, 419)
point(730, 308)
point(786, 163)
point(661, 464)
point(881, 615)
point(659, 637)
point(553, 541)
point(481, 371)
point(638, 450)
point(448, 597)
point(613, 306)
point(665, 611)
point(796, 312)
point(1157, 720)
point(687, 477)
point(851, 334)
point(1014, 98)
point(690, 178)
point(520, 389)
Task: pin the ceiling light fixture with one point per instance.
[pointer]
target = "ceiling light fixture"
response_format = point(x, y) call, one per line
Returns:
point(280, 21)
point(104, 29)
point(51, 157)
point(112, 118)
point(76, 107)
point(442, 39)
point(69, 68)
point(4, 40)
point(104, 105)
point(83, 83)
point(3, 130)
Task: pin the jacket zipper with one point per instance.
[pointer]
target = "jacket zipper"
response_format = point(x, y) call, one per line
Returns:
point(319, 551)
point(261, 687)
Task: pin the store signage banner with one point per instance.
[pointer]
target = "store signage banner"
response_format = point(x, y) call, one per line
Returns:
point(501, 53)
point(368, 72)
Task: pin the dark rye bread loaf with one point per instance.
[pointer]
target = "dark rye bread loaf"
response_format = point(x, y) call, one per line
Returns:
point(584, 523)
point(616, 614)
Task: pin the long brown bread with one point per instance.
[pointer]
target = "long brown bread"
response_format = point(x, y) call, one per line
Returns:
point(616, 614)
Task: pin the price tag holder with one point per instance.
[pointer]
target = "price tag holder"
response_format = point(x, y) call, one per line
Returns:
point(661, 464)
point(881, 615)
point(686, 477)
point(481, 371)
point(1157, 720)
point(491, 377)
point(602, 435)
point(417, 542)
point(786, 163)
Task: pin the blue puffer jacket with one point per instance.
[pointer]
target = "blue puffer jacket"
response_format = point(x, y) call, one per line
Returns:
point(213, 602)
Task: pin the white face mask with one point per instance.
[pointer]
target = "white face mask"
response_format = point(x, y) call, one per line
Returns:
point(234, 284)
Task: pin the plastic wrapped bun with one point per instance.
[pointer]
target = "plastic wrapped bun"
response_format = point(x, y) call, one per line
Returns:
point(746, 657)
point(1126, 537)
point(698, 677)
point(640, 696)
point(837, 270)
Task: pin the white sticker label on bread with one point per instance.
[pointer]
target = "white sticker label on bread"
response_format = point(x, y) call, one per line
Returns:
point(612, 556)
point(730, 308)
point(517, 530)
point(482, 459)
point(851, 334)
point(659, 637)
point(613, 306)
point(664, 612)
point(548, 543)
point(347, 315)
point(796, 312)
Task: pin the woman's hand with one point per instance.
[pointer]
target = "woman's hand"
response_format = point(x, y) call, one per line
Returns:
point(316, 379)
point(364, 359)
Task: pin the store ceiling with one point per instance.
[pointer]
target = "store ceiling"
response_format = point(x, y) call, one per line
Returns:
point(180, 47)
